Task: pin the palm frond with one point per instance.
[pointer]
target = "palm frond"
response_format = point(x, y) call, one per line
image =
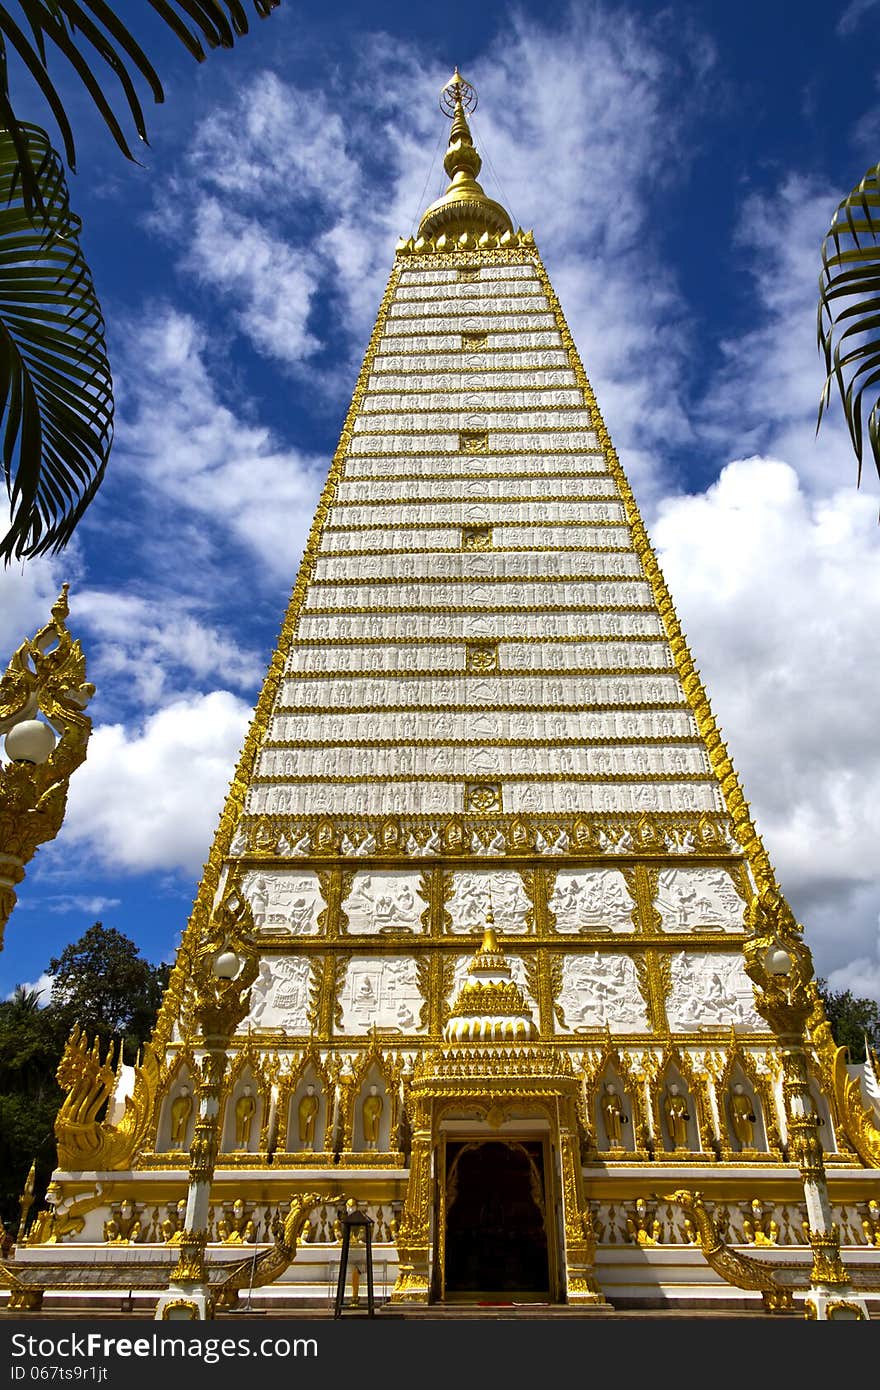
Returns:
point(89, 34)
point(56, 390)
point(848, 323)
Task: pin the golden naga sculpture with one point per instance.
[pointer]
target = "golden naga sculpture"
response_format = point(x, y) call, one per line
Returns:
point(87, 1141)
point(269, 1266)
point(45, 676)
point(775, 1282)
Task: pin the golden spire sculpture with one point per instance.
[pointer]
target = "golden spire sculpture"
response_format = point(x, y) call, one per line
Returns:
point(464, 207)
point(45, 676)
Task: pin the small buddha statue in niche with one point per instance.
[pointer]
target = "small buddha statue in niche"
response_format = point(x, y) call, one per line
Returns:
point(371, 1114)
point(181, 1109)
point(306, 1117)
point(245, 1109)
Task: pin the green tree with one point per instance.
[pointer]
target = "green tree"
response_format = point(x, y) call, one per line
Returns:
point(851, 1019)
point(849, 315)
point(31, 1042)
point(101, 982)
point(56, 387)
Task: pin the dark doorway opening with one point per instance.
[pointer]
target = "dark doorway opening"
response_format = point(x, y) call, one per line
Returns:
point(496, 1236)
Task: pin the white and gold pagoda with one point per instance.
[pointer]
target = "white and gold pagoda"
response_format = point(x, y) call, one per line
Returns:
point(482, 700)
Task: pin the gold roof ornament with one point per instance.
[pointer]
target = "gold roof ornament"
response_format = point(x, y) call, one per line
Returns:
point(490, 1006)
point(464, 209)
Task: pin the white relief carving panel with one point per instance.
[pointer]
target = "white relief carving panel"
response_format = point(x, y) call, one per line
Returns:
point(469, 903)
point(494, 564)
point(489, 724)
point(599, 990)
point(280, 995)
point(401, 626)
point(469, 379)
point(520, 798)
point(284, 899)
point(474, 485)
point(475, 692)
point(591, 900)
point(392, 357)
point(381, 992)
point(378, 465)
point(487, 595)
point(511, 405)
point(486, 762)
point(419, 440)
point(510, 344)
point(403, 318)
point(711, 991)
point(466, 513)
point(384, 902)
point(517, 970)
point(688, 899)
point(543, 656)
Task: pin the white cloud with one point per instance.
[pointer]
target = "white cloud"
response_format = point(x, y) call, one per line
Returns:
point(272, 283)
point(149, 798)
point(853, 15)
point(780, 596)
point(42, 985)
point(197, 454)
point(27, 593)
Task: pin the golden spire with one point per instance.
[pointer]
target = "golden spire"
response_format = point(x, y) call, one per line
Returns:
point(464, 207)
point(490, 1006)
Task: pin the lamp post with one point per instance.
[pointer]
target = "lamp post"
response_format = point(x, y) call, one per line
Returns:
point(46, 676)
point(779, 963)
point(223, 971)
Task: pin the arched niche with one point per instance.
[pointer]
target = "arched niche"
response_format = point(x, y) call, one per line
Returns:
point(371, 1121)
point(742, 1109)
point(242, 1113)
point(177, 1116)
point(675, 1088)
point(307, 1115)
point(827, 1135)
point(613, 1112)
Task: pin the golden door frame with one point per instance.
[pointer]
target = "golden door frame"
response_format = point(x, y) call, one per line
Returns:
point(550, 1197)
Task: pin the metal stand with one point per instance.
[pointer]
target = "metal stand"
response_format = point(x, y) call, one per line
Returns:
point(352, 1217)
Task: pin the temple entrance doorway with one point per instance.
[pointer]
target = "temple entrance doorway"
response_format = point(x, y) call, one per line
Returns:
point(495, 1245)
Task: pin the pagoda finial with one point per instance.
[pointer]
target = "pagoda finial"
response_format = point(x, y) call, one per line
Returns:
point(464, 209)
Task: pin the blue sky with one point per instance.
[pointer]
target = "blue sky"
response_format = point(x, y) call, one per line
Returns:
point(679, 165)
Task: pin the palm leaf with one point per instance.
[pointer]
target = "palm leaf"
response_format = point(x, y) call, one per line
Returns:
point(86, 31)
point(848, 324)
point(56, 391)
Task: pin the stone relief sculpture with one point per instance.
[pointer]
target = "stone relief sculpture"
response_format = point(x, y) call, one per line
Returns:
point(280, 994)
point(690, 899)
point(284, 899)
point(591, 900)
point(470, 902)
point(388, 902)
point(599, 990)
point(711, 992)
point(381, 993)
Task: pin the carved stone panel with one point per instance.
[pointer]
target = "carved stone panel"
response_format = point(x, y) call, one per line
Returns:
point(711, 991)
point(381, 992)
point(599, 990)
point(284, 900)
point(280, 995)
point(384, 902)
point(591, 900)
point(691, 899)
point(470, 902)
